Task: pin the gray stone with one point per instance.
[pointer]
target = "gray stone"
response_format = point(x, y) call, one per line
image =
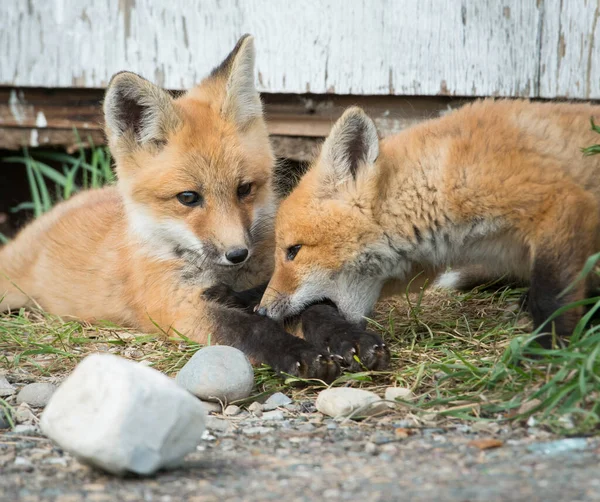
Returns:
point(346, 401)
point(23, 414)
point(559, 446)
point(218, 424)
point(273, 415)
point(6, 388)
point(36, 394)
point(275, 401)
point(251, 431)
point(122, 416)
point(211, 407)
point(218, 373)
point(25, 430)
point(256, 408)
point(232, 410)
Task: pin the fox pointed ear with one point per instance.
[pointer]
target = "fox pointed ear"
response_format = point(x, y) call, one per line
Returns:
point(138, 111)
point(242, 101)
point(352, 145)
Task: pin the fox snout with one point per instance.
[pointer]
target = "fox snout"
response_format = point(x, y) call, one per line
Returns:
point(273, 305)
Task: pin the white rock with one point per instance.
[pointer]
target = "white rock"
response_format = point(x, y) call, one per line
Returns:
point(36, 394)
point(211, 407)
point(122, 416)
point(6, 388)
point(393, 393)
point(275, 401)
point(217, 373)
point(344, 401)
point(232, 410)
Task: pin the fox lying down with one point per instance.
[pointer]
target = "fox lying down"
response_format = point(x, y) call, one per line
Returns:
point(500, 184)
point(190, 219)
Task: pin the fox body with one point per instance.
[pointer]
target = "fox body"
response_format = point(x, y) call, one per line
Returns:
point(500, 184)
point(189, 222)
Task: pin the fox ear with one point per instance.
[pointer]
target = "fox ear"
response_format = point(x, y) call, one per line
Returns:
point(242, 101)
point(138, 111)
point(352, 145)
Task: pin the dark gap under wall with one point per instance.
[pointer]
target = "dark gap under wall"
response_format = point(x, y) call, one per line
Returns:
point(15, 189)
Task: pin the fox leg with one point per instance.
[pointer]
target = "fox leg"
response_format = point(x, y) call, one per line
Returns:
point(266, 341)
point(245, 300)
point(260, 338)
point(558, 256)
point(10, 296)
point(324, 326)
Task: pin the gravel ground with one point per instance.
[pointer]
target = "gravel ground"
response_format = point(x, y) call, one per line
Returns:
point(296, 453)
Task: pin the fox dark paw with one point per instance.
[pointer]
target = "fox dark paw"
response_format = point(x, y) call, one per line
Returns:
point(309, 362)
point(359, 350)
point(223, 294)
point(244, 300)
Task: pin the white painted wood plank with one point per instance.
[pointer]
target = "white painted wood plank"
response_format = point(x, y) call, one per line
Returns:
point(570, 49)
point(402, 47)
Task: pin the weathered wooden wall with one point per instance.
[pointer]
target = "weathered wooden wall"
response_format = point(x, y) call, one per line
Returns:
point(534, 48)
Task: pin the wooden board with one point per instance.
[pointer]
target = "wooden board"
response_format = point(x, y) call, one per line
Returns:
point(41, 117)
point(530, 48)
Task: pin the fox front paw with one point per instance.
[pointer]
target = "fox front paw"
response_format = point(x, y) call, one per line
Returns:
point(359, 350)
point(309, 362)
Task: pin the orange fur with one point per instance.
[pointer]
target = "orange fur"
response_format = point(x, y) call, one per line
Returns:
point(115, 254)
point(499, 183)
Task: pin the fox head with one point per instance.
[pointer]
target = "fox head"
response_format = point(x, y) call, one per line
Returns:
point(327, 242)
point(195, 170)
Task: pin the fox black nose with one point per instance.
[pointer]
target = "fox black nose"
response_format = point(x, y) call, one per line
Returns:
point(237, 255)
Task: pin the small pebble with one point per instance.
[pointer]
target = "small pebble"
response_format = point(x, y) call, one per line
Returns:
point(232, 410)
point(218, 424)
point(23, 414)
point(558, 446)
point(402, 393)
point(211, 407)
point(371, 448)
point(25, 430)
point(346, 401)
point(218, 373)
point(256, 408)
point(6, 388)
point(23, 462)
point(275, 401)
point(273, 415)
point(36, 394)
point(251, 431)
point(306, 427)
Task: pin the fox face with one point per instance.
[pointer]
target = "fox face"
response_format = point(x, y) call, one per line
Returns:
point(328, 246)
point(194, 171)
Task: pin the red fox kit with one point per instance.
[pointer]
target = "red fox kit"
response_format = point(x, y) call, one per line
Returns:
point(501, 184)
point(191, 214)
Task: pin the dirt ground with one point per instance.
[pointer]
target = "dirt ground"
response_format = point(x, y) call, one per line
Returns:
point(302, 455)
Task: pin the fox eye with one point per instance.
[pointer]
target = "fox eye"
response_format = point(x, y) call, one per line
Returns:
point(244, 190)
point(292, 251)
point(190, 199)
